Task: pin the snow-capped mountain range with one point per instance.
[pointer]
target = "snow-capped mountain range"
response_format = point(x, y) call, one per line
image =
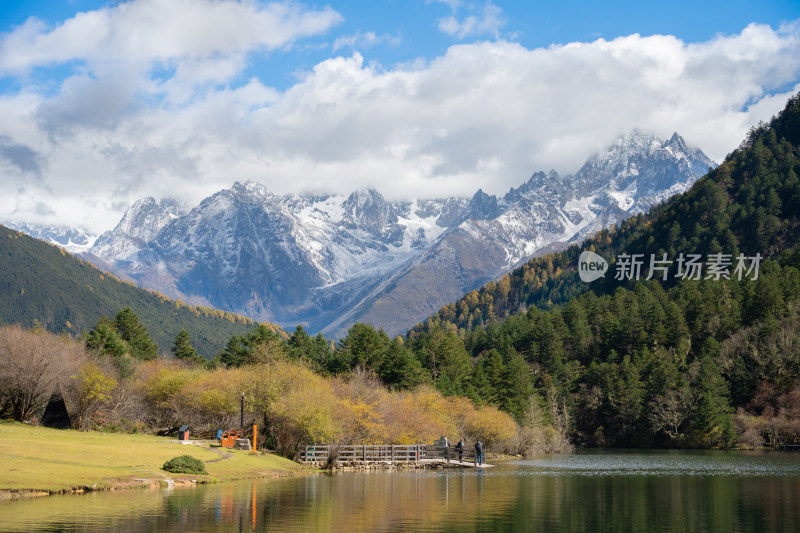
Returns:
point(74, 240)
point(329, 261)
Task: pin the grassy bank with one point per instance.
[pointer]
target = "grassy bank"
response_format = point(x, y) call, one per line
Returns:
point(39, 459)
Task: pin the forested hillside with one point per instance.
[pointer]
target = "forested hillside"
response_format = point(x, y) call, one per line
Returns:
point(42, 284)
point(665, 361)
point(749, 204)
point(705, 354)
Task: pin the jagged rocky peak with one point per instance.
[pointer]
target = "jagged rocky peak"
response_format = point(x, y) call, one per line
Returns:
point(452, 211)
point(364, 201)
point(677, 141)
point(638, 160)
point(251, 188)
point(428, 208)
point(445, 211)
point(146, 217)
point(368, 209)
point(225, 204)
point(537, 180)
point(629, 144)
point(140, 224)
point(540, 183)
point(483, 206)
point(677, 147)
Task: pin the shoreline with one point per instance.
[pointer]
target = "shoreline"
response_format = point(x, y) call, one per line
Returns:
point(39, 462)
point(113, 485)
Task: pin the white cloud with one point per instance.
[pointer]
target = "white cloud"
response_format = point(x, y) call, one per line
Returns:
point(482, 115)
point(364, 40)
point(120, 51)
point(147, 31)
point(488, 20)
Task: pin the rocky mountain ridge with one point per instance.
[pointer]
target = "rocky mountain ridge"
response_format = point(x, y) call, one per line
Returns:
point(329, 260)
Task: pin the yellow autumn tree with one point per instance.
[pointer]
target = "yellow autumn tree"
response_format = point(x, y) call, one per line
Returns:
point(304, 413)
point(95, 387)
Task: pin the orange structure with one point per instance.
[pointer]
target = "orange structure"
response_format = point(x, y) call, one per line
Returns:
point(229, 438)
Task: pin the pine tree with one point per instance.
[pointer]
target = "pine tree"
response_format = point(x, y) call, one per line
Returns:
point(235, 352)
point(364, 346)
point(106, 340)
point(135, 334)
point(400, 368)
point(627, 401)
point(712, 415)
point(300, 343)
point(322, 354)
point(488, 379)
point(183, 349)
point(518, 381)
point(455, 365)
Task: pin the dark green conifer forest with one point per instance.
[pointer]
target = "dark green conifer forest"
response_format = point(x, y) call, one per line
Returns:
point(665, 361)
point(675, 362)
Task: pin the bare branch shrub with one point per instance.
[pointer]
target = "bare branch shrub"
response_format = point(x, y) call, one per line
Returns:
point(32, 364)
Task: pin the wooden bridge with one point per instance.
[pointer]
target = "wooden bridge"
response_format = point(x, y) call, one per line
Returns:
point(422, 454)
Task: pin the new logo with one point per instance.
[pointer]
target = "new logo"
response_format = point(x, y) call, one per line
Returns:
point(591, 266)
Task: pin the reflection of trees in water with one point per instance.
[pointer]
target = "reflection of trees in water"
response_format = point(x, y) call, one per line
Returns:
point(486, 501)
point(493, 500)
point(379, 501)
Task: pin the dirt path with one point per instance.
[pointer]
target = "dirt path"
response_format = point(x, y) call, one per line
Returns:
point(224, 455)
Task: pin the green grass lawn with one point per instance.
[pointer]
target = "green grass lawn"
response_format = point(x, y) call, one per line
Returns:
point(42, 459)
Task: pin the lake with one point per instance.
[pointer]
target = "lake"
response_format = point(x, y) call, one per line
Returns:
point(597, 491)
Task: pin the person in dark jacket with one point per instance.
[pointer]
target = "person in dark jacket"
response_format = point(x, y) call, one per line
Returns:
point(460, 448)
point(479, 452)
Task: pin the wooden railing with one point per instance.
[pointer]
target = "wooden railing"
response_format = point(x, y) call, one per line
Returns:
point(452, 454)
point(366, 453)
point(316, 453)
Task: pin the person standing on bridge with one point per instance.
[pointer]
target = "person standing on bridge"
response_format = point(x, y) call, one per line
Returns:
point(479, 452)
point(460, 448)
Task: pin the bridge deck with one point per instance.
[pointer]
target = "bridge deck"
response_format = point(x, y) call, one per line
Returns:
point(422, 454)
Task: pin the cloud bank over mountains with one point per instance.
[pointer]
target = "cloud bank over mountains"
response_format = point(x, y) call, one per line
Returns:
point(156, 98)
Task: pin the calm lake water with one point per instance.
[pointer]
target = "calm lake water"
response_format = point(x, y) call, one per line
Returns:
point(603, 491)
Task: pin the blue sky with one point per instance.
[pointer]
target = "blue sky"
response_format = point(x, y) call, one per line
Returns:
point(108, 102)
point(405, 30)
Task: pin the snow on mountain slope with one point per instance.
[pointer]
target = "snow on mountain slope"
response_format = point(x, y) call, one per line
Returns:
point(141, 223)
point(637, 172)
point(73, 240)
point(327, 261)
